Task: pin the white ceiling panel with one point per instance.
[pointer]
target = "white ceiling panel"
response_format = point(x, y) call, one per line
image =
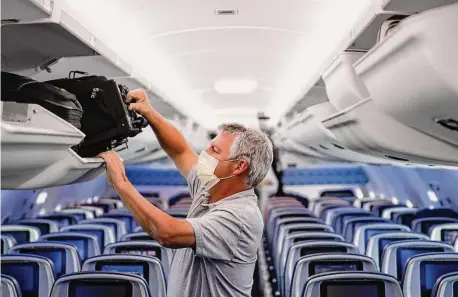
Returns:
point(183, 48)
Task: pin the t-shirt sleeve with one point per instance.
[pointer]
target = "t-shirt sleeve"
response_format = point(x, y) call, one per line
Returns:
point(217, 234)
point(194, 184)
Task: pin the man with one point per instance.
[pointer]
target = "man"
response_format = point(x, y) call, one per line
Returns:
point(217, 244)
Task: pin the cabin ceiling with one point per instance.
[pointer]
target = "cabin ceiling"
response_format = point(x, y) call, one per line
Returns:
point(270, 53)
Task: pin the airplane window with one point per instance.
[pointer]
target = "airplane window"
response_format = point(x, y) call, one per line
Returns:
point(26, 275)
point(96, 289)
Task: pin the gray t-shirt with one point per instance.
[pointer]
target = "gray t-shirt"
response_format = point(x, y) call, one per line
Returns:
point(228, 234)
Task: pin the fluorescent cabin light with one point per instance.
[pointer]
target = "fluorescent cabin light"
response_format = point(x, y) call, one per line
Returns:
point(432, 196)
point(409, 204)
point(41, 199)
point(236, 86)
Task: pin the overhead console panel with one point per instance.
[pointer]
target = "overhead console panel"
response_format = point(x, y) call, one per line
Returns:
point(398, 100)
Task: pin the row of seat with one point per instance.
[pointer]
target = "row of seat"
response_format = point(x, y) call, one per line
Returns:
point(328, 235)
point(72, 244)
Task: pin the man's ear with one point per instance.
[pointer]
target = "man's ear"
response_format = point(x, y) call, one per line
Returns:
point(241, 167)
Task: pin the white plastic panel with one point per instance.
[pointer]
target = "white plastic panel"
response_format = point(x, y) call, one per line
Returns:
point(414, 6)
point(140, 146)
point(365, 128)
point(343, 87)
point(26, 10)
point(36, 149)
point(412, 75)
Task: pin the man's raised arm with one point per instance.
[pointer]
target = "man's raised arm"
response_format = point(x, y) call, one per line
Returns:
point(170, 138)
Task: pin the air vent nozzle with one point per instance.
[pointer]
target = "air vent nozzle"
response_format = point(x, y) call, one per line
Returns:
point(226, 11)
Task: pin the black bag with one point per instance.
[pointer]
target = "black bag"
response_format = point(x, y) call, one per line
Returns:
point(20, 89)
point(107, 122)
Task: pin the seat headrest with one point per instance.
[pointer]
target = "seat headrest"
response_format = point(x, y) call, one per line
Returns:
point(137, 236)
point(148, 267)
point(104, 233)
point(352, 283)
point(8, 242)
point(9, 286)
point(446, 285)
point(397, 254)
point(422, 271)
point(94, 284)
point(33, 273)
point(86, 244)
point(63, 219)
point(444, 232)
point(119, 225)
point(423, 225)
point(362, 234)
point(21, 233)
point(45, 226)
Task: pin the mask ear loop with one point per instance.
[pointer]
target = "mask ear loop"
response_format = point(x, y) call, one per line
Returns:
point(223, 178)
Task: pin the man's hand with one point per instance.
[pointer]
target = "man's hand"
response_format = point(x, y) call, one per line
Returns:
point(116, 173)
point(140, 102)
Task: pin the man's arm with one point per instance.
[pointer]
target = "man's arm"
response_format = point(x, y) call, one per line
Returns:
point(167, 230)
point(170, 139)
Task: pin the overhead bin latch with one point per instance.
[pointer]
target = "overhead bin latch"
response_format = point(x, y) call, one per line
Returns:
point(448, 123)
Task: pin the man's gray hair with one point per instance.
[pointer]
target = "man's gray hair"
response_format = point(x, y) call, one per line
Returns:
point(255, 147)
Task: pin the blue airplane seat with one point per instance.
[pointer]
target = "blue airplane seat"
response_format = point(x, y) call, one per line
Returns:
point(118, 226)
point(335, 217)
point(126, 217)
point(34, 274)
point(137, 236)
point(444, 232)
point(311, 265)
point(104, 234)
point(378, 210)
point(377, 243)
point(397, 254)
point(80, 213)
point(352, 283)
point(63, 219)
point(365, 232)
point(423, 225)
point(150, 268)
point(21, 233)
point(86, 244)
point(143, 248)
point(408, 218)
point(446, 285)
point(302, 249)
point(9, 286)
point(64, 256)
point(293, 220)
point(97, 284)
point(350, 225)
point(45, 226)
point(7, 242)
point(280, 256)
point(422, 272)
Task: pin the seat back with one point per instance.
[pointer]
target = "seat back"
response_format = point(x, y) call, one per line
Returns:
point(86, 244)
point(9, 286)
point(377, 243)
point(319, 207)
point(127, 218)
point(335, 217)
point(64, 256)
point(295, 228)
point(63, 219)
point(423, 225)
point(389, 212)
point(96, 284)
point(311, 265)
point(444, 232)
point(45, 226)
point(422, 272)
point(281, 214)
point(364, 233)
point(405, 216)
point(280, 256)
point(118, 226)
point(397, 254)
point(80, 213)
point(294, 220)
point(105, 235)
point(145, 248)
point(352, 283)
point(302, 249)
point(96, 210)
point(22, 234)
point(351, 224)
point(7, 242)
point(446, 285)
point(137, 236)
point(149, 268)
point(34, 274)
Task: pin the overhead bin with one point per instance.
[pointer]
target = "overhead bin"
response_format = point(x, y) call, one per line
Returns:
point(36, 149)
point(412, 75)
point(26, 10)
point(414, 6)
point(309, 130)
point(140, 147)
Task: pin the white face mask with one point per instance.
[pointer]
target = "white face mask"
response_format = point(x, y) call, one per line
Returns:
point(206, 170)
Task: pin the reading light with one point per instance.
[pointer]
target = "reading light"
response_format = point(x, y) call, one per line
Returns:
point(432, 196)
point(235, 86)
point(41, 198)
point(409, 204)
